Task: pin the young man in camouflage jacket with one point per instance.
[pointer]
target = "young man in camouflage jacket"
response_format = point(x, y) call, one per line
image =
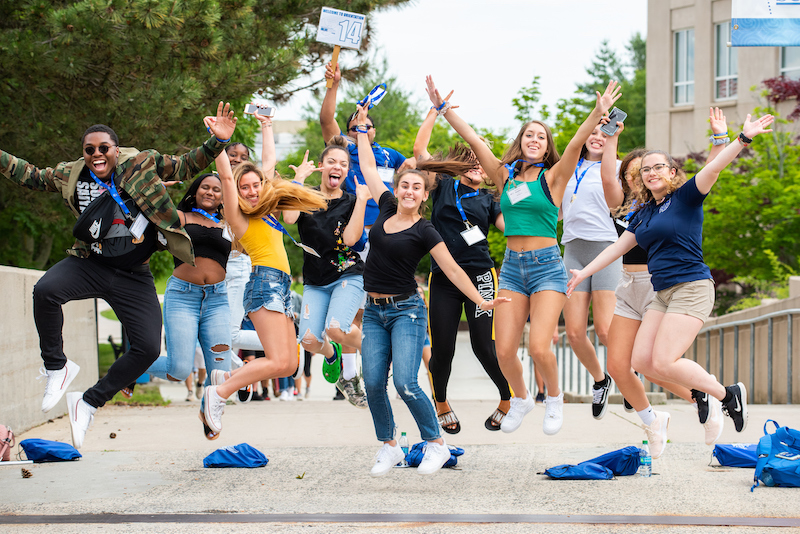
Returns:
point(123, 186)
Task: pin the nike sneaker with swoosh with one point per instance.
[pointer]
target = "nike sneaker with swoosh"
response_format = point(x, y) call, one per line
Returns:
point(736, 408)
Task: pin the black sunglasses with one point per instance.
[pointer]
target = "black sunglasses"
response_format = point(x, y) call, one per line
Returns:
point(353, 128)
point(102, 148)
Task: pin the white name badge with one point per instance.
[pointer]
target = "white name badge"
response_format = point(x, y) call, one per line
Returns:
point(518, 193)
point(386, 174)
point(139, 226)
point(308, 249)
point(473, 235)
point(622, 222)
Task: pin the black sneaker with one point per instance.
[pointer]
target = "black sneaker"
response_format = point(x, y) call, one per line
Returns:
point(627, 405)
point(600, 397)
point(701, 399)
point(736, 408)
point(339, 395)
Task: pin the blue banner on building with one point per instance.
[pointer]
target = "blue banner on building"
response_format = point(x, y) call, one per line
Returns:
point(765, 23)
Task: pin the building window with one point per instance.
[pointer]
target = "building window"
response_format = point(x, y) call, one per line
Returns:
point(726, 78)
point(684, 68)
point(790, 62)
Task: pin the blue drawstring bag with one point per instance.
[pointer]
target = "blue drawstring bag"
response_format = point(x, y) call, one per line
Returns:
point(622, 462)
point(241, 455)
point(582, 471)
point(778, 461)
point(415, 454)
point(735, 454)
point(44, 450)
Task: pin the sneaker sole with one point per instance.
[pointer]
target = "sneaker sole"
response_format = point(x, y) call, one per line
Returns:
point(666, 440)
point(67, 381)
point(207, 413)
point(72, 406)
point(209, 433)
point(744, 405)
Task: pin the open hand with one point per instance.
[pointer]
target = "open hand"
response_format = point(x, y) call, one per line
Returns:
point(609, 96)
point(487, 305)
point(717, 120)
point(223, 125)
point(758, 126)
point(433, 93)
point(577, 278)
point(305, 169)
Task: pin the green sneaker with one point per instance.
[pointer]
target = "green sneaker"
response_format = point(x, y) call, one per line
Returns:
point(331, 371)
point(351, 389)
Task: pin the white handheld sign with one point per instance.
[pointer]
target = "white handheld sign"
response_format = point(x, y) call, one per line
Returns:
point(341, 28)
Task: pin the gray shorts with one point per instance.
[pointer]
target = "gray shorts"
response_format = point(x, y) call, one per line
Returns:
point(634, 293)
point(579, 253)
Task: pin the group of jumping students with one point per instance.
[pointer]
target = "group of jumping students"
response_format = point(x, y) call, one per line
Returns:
point(632, 243)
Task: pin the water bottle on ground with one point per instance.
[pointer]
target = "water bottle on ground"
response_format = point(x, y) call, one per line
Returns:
point(645, 460)
point(403, 442)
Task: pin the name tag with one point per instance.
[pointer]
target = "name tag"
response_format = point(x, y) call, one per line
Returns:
point(473, 235)
point(386, 174)
point(518, 193)
point(623, 223)
point(139, 226)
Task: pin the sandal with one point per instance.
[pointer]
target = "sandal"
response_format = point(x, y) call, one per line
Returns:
point(449, 422)
point(494, 420)
point(127, 391)
point(210, 434)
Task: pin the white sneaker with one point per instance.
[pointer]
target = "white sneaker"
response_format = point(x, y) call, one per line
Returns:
point(386, 458)
point(190, 396)
point(217, 377)
point(657, 433)
point(518, 409)
point(553, 414)
point(435, 457)
point(284, 396)
point(57, 383)
point(715, 422)
point(81, 416)
point(213, 408)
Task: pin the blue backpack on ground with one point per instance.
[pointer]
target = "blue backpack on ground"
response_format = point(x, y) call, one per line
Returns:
point(622, 462)
point(44, 450)
point(241, 455)
point(736, 455)
point(778, 461)
point(415, 454)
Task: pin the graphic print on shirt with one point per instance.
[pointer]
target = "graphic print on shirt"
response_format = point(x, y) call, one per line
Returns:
point(345, 257)
point(486, 289)
point(87, 191)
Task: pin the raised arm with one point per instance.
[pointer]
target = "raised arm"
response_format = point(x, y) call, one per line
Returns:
point(355, 227)
point(461, 280)
point(301, 172)
point(27, 175)
point(230, 196)
point(327, 115)
point(608, 171)
point(268, 158)
point(366, 158)
point(559, 175)
point(494, 169)
point(622, 245)
point(719, 126)
point(424, 136)
point(707, 177)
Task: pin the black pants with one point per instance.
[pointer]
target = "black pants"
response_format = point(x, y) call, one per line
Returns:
point(444, 314)
point(132, 296)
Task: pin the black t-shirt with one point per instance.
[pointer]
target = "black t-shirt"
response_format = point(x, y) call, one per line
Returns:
point(636, 255)
point(323, 231)
point(119, 249)
point(393, 258)
point(481, 211)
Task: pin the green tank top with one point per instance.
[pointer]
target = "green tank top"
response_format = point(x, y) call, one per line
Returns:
point(535, 215)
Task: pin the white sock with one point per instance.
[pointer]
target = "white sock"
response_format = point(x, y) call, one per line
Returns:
point(349, 369)
point(647, 415)
point(555, 399)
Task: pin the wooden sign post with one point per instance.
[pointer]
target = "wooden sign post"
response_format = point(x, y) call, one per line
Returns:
point(341, 29)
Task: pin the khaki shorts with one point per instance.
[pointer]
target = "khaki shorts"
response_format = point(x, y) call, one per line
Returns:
point(695, 299)
point(634, 293)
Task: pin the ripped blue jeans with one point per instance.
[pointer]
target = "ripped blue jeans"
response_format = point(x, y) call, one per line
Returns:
point(394, 334)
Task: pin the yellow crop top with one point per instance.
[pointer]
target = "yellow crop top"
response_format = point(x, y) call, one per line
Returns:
point(265, 246)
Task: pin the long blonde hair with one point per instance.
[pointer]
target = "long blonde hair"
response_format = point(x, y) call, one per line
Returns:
point(277, 194)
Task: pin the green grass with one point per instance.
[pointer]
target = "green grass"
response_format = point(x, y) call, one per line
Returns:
point(109, 314)
point(143, 395)
point(105, 357)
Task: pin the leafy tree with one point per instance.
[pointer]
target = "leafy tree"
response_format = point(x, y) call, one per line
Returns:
point(148, 69)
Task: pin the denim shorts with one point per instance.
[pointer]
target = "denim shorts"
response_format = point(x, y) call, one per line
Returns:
point(331, 306)
point(532, 271)
point(268, 288)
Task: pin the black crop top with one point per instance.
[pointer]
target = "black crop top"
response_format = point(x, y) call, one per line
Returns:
point(636, 255)
point(209, 243)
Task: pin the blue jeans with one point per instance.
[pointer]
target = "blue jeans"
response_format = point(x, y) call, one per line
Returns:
point(191, 313)
point(333, 305)
point(532, 271)
point(395, 333)
point(268, 288)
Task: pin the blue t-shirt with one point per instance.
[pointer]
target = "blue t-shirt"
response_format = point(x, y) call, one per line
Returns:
point(384, 157)
point(672, 235)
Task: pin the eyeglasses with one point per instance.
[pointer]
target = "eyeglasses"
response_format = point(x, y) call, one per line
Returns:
point(658, 167)
point(353, 128)
point(102, 148)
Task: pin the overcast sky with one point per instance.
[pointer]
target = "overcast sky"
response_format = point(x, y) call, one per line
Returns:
point(488, 50)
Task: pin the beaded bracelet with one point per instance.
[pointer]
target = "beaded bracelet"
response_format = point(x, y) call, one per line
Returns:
point(360, 130)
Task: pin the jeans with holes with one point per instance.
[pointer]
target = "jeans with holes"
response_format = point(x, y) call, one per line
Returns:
point(394, 334)
point(194, 313)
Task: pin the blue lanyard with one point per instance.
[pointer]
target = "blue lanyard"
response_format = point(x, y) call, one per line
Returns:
point(631, 212)
point(580, 162)
point(112, 190)
point(459, 199)
point(374, 97)
point(510, 167)
point(273, 222)
point(205, 214)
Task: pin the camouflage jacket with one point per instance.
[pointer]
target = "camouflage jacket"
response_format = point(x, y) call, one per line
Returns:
point(139, 174)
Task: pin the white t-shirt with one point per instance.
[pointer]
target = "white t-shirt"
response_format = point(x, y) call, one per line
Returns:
point(584, 207)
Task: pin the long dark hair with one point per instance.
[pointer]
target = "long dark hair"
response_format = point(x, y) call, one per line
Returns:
point(189, 199)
